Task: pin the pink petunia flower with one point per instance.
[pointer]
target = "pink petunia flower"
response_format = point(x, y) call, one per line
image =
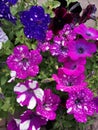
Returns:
point(80, 104)
point(68, 83)
point(87, 33)
point(48, 105)
point(24, 62)
point(81, 49)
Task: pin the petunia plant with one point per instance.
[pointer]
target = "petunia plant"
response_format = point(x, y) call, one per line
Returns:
point(48, 64)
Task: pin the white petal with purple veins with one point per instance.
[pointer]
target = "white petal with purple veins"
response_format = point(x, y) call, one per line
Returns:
point(39, 93)
point(32, 103)
point(25, 125)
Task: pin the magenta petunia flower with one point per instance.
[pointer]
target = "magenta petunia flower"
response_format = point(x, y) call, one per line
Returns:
point(28, 93)
point(74, 67)
point(31, 121)
point(68, 83)
point(81, 49)
point(48, 105)
point(87, 33)
point(80, 104)
point(13, 124)
point(24, 62)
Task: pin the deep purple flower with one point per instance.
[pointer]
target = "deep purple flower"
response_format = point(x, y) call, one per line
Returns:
point(49, 105)
point(74, 67)
point(88, 13)
point(28, 93)
point(35, 22)
point(5, 12)
point(81, 49)
point(96, 103)
point(68, 83)
point(61, 18)
point(24, 62)
point(80, 104)
point(87, 33)
point(31, 121)
point(10, 1)
point(13, 124)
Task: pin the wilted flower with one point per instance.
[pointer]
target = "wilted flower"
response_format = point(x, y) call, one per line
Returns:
point(28, 93)
point(24, 62)
point(48, 105)
point(68, 83)
point(80, 104)
point(81, 49)
point(35, 22)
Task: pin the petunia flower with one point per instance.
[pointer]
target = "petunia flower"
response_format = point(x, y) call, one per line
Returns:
point(67, 82)
point(80, 104)
point(31, 121)
point(24, 62)
point(87, 33)
point(13, 124)
point(3, 37)
point(74, 67)
point(61, 18)
point(48, 105)
point(28, 93)
point(81, 49)
point(5, 12)
point(35, 22)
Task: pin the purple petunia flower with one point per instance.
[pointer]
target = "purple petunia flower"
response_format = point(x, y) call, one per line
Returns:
point(35, 22)
point(31, 121)
point(68, 83)
point(28, 93)
point(13, 124)
point(48, 105)
point(74, 67)
point(87, 33)
point(5, 12)
point(96, 103)
point(24, 62)
point(80, 103)
point(81, 49)
point(10, 1)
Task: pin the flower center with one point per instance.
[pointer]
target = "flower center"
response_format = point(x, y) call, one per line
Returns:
point(77, 101)
point(80, 50)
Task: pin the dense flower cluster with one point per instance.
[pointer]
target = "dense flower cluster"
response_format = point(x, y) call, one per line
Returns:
point(70, 41)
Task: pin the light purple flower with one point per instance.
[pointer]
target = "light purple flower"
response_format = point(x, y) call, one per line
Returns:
point(48, 105)
point(68, 83)
point(28, 93)
point(74, 67)
point(87, 33)
point(81, 49)
point(3, 38)
point(80, 104)
point(24, 62)
point(31, 121)
point(13, 124)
